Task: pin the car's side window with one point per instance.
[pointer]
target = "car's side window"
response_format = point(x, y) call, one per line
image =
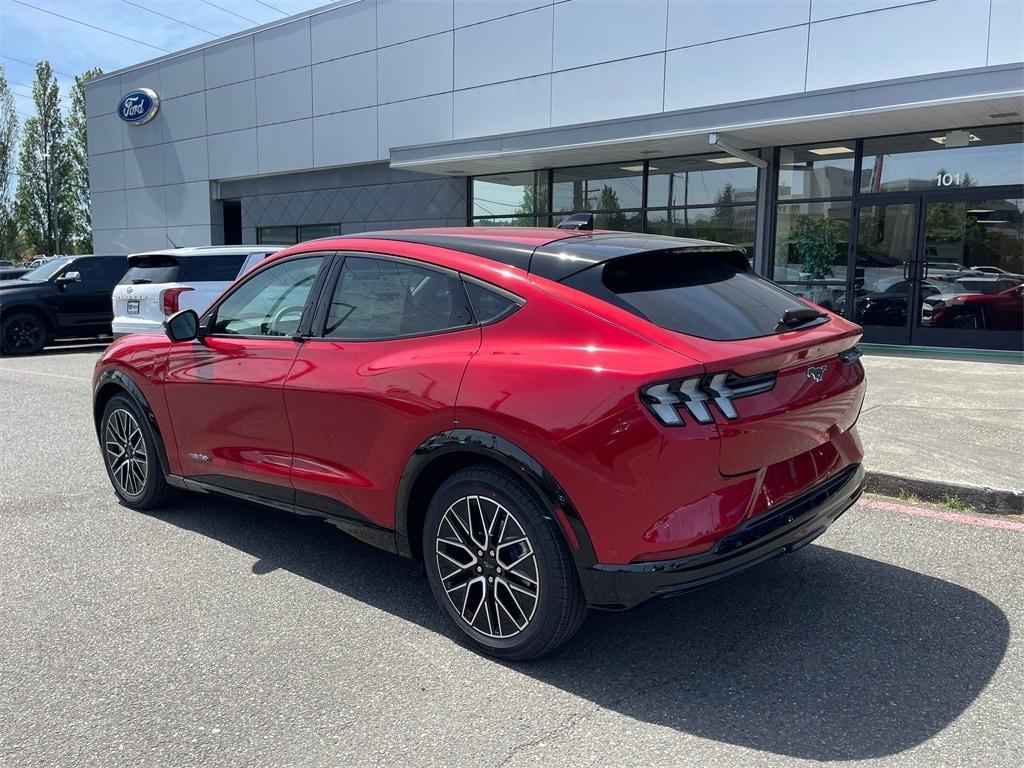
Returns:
point(92, 271)
point(383, 299)
point(271, 302)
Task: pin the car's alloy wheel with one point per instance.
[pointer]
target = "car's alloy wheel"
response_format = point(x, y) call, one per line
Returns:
point(130, 454)
point(488, 566)
point(499, 566)
point(23, 334)
point(126, 452)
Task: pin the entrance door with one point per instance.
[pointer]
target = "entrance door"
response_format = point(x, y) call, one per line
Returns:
point(973, 271)
point(886, 275)
point(941, 270)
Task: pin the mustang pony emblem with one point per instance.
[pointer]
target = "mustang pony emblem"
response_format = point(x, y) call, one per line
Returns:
point(817, 373)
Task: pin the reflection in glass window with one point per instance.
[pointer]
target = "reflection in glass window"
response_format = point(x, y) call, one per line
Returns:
point(506, 221)
point(723, 224)
point(714, 180)
point(277, 235)
point(319, 230)
point(978, 157)
point(598, 188)
point(811, 244)
point(269, 303)
point(379, 299)
point(819, 170)
point(509, 194)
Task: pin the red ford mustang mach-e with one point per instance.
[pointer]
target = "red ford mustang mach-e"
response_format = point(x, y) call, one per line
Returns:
point(549, 419)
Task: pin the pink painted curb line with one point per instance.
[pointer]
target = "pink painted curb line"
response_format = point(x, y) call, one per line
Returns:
point(935, 514)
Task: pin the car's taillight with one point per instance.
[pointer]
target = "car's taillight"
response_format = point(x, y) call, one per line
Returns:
point(697, 393)
point(170, 299)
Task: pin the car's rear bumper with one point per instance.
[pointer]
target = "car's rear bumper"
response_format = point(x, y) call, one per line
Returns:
point(124, 327)
point(782, 529)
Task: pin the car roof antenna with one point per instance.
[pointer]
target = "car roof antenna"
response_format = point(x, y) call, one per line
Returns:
point(173, 244)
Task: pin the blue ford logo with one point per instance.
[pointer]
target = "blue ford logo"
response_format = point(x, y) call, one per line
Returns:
point(139, 106)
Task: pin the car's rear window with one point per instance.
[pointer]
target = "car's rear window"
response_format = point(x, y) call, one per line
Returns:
point(710, 294)
point(164, 268)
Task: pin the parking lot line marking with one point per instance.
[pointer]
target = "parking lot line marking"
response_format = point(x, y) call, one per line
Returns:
point(41, 373)
point(935, 514)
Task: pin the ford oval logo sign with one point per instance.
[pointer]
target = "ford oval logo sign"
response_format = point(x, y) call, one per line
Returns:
point(139, 106)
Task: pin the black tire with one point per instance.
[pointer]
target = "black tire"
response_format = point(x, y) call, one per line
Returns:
point(23, 333)
point(506, 623)
point(139, 480)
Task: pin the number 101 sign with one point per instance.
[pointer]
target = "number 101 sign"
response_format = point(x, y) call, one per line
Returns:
point(948, 180)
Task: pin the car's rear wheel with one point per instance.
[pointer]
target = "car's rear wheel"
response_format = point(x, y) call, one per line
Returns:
point(498, 566)
point(130, 455)
point(23, 333)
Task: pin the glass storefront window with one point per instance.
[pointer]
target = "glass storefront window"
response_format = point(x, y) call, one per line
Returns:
point(811, 246)
point(598, 188)
point(319, 230)
point(510, 194)
point(277, 235)
point(979, 157)
point(723, 224)
point(716, 180)
point(623, 221)
point(818, 170)
point(505, 221)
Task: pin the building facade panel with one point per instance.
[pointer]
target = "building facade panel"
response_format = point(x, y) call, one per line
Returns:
point(642, 92)
point(284, 96)
point(417, 121)
point(469, 12)
point(401, 20)
point(281, 48)
point(345, 138)
point(230, 62)
point(106, 172)
point(421, 67)
point(344, 31)
point(505, 48)
point(692, 22)
point(518, 105)
point(343, 84)
point(283, 146)
point(186, 161)
point(183, 75)
point(184, 117)
point(233, 154)
point(231, 107)
point(144, 167)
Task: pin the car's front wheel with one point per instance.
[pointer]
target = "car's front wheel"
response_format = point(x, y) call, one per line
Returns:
point(23, 333)
point(130, 455)
point(498, 566)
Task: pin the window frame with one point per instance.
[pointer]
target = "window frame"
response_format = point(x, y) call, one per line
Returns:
point(209, 317)
point(318, 325)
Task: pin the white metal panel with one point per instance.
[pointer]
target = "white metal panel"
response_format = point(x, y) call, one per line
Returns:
point(185, 161)
point(106, 172)
point(144, 167)
point(182, 75)
point(580, 95)
point(418, 68)
point(108, 210)
point(917, 39)
point(285, 146)
point(104, 133)
point(102, 96)
point(592, 31)
point(284, 96)
point(183, 117)
point(419, 121)
point(188, 204)
point(401, 20)
point(518, 105)
point(475, 11)
point(231, 108)
point(504, 49)
point(343, 84)
point(830, 9)
point(233, 154)
point(282, 48)
point(705, 74)
point(345, 138)
point(146, 207)
point(230, 62)
point(703, 21)
point(344, 31)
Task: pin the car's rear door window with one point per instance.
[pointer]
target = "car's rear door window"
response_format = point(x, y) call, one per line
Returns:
point(211, 268)
point(706, 293)
point(384, 299)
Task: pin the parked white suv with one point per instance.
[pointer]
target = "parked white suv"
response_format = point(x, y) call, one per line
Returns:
point(159, 283)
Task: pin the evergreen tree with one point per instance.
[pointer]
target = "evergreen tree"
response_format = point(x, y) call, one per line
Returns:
point(78, 157)
point(8, 139)
point(45, 199)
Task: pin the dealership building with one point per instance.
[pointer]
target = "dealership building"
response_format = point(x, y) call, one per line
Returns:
point(868, 154)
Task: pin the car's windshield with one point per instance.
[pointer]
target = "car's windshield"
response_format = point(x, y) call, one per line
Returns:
point(46, 271)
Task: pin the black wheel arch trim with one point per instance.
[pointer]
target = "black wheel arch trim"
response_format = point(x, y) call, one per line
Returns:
point(513, 458)
point(124, 382)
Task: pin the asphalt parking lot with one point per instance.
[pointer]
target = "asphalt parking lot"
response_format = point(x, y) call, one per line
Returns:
point(216, 633)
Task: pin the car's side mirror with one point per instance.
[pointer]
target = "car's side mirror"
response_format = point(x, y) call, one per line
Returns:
point(69, 277)
point(182, 326)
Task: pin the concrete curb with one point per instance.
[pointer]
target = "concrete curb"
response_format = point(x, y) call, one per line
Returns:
point(984, 499)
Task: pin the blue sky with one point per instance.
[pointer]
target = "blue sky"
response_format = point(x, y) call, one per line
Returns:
point(28, 34)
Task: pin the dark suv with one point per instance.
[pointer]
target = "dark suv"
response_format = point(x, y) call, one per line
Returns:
point(66, 297)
